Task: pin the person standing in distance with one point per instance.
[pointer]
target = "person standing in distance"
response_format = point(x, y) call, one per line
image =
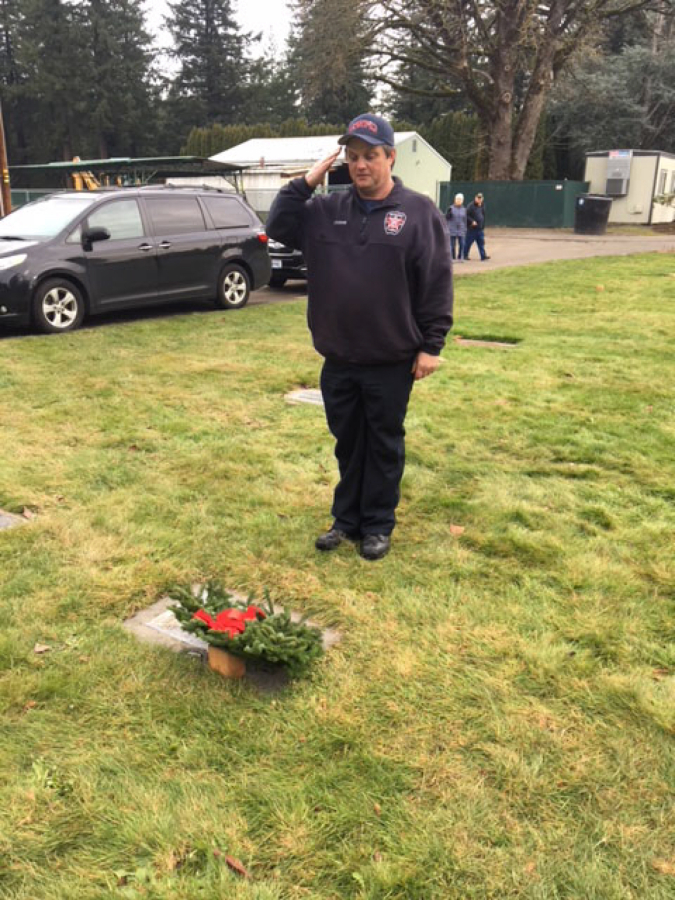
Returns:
point(475, 215)
point(380, 306)
point(456, 219)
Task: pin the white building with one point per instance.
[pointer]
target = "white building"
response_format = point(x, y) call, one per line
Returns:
point(268, 163)
point(633, 178)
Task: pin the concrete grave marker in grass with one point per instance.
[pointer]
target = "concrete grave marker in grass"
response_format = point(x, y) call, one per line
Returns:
point(312, 396)
point(493, 345)
point(9, 520)
point(158, 625)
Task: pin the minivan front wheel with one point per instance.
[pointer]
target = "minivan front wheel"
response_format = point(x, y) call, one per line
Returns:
point(58, 306)
point(234, 287)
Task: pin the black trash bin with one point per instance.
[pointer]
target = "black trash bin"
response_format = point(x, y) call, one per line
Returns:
point(591, 213)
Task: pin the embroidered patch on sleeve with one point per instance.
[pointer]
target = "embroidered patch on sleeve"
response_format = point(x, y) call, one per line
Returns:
point(394, 222)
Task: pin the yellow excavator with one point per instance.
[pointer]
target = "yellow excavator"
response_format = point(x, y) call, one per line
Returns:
point(84, 181)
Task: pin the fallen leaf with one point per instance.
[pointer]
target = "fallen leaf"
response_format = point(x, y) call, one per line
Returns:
point(41, 648)
point(600, 287)
point(378, 809)
point(30, 705)
point(217, 853)
point(237, 866)
point(457, 530)
point(377, 856)
point(28, 513)
point(663, 866)
point(530, 867)
point(133, 448)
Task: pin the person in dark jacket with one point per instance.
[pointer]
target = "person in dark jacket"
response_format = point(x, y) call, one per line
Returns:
point(380, 306)
point(475, 217)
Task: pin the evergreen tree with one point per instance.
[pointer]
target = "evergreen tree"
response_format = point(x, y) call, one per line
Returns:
point(119, 88)
point(52, 59)
point(621, 97)
point(328, 46)
point(78, 78)
point(273, 92)
point(456, 136)
point(210, 85)
point(11, 79)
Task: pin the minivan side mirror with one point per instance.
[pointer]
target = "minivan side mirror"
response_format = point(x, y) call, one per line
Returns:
point(91, 235)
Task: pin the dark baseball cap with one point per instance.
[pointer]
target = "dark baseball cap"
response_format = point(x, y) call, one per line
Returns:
point(369, 128)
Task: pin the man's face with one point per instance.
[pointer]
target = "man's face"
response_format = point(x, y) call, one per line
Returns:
point(478, 201)
point(370, 168)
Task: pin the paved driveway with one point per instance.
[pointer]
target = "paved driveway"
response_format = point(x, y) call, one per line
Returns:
point(526, 246)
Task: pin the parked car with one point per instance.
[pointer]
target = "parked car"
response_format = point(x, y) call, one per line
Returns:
point(73, 254)
point(286, 263)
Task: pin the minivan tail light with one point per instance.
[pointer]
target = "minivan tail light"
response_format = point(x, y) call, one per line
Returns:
point(262, 237)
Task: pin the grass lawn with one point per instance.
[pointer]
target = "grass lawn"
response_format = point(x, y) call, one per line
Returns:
point(499, 719)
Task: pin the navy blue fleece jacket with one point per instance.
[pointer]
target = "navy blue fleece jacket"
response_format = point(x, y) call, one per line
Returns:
point(380, 281)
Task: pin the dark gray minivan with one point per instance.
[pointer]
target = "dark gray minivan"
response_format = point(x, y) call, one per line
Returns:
point(75, 253)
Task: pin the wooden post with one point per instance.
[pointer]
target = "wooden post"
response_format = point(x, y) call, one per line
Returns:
point(225, 663)
point(5, 194)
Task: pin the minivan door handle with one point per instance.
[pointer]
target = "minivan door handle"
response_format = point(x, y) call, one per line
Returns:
point(145, 247)
point(165, 245)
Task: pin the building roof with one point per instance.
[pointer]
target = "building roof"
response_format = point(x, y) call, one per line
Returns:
point(287, 152)
point(157, 166)
point(634, 152)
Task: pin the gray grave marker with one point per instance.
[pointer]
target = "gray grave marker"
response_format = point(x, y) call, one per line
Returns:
point(9, 520)
point(158, 625)
point(495, 345)
point(306, 395)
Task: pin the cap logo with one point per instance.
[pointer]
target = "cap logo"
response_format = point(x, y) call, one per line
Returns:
point(363, 123)
point(394, 222)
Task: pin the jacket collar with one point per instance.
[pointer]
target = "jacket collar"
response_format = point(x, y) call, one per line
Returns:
point(392, 199)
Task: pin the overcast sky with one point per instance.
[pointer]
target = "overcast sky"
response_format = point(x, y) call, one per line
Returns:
point(269, 16)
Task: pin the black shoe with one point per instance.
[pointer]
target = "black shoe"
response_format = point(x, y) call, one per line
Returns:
point(483, 258)
point(375, 546)
point(332, 539)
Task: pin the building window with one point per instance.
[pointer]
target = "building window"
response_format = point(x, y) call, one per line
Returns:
point(414, 145)
point(663, 174)
point(672, 182)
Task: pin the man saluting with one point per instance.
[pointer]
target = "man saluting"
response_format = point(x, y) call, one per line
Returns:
point(380, 306)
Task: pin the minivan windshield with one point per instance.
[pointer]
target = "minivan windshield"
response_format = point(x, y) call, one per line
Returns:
point(44, 218)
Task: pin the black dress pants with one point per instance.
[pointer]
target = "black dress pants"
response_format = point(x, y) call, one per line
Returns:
point(365, 409)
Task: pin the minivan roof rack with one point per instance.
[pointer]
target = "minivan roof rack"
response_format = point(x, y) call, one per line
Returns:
point(183, 187)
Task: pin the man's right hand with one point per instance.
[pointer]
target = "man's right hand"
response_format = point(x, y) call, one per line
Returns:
point(317, 173)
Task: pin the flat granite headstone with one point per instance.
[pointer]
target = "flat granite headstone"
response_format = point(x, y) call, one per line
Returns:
point(158, 625)
point(312, 396)
point(495, 345)
point(9, 520)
